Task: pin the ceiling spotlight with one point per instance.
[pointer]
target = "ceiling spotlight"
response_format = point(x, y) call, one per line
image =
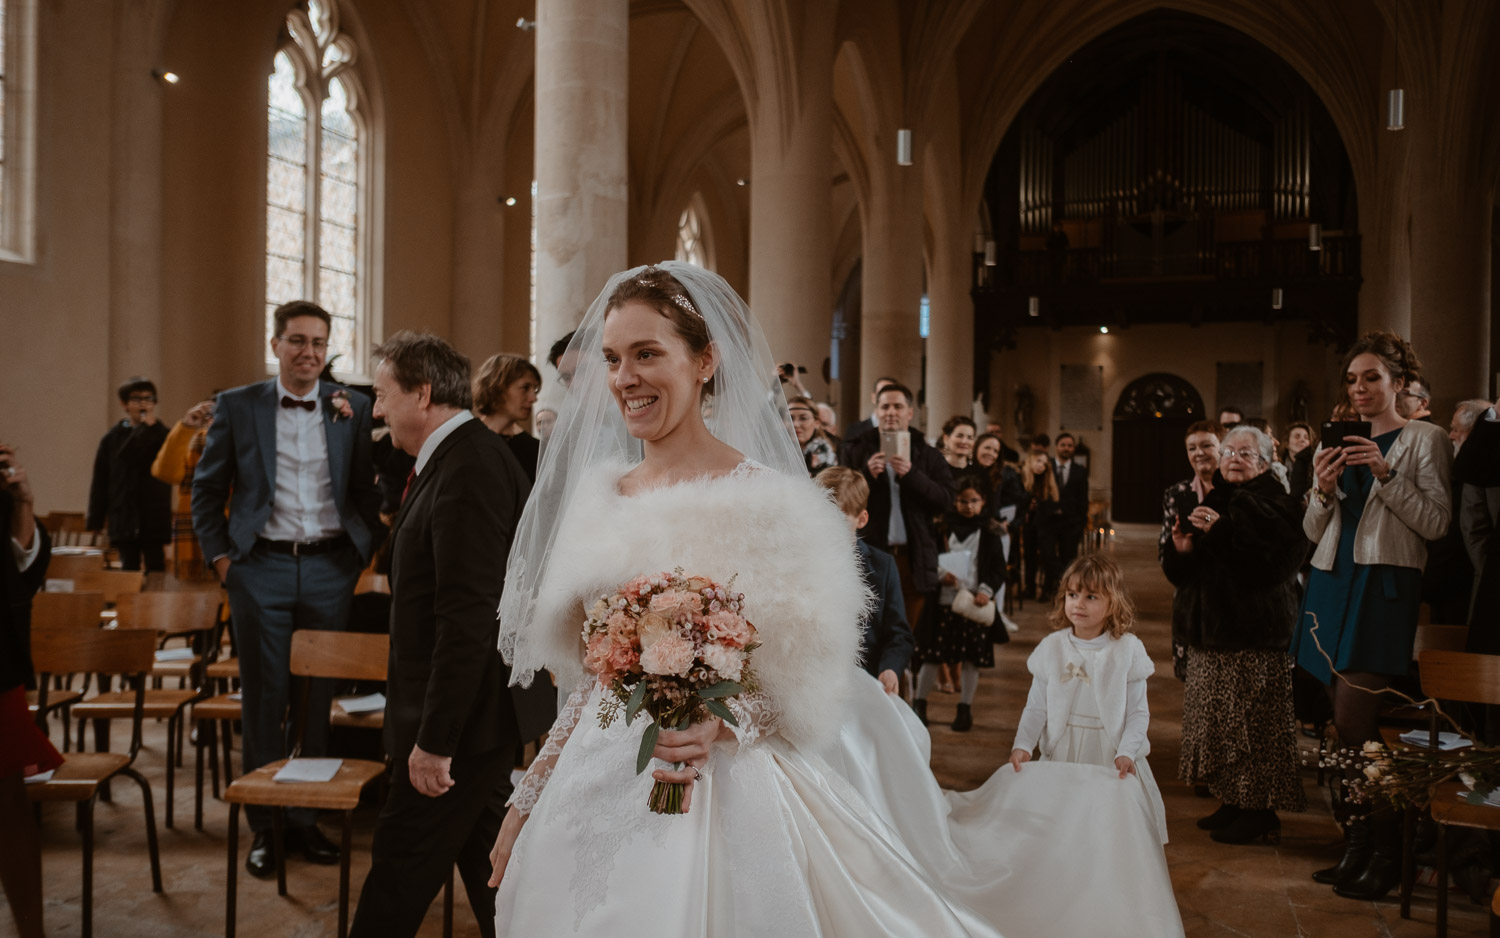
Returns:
point(170, 78)
point(1104, 330)
point(510, 200)
point(1315, 237)
point(1276, 297)
point(526, 24)
point(991, 257)
point(1395, 109)
point(742, 181)
point(1033, 306)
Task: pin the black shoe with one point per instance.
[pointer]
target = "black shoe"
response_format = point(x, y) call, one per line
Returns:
point(1357, 851)
point(261, 863)
point(1378, 878)
point(965, 719)
point(920, 706)
point(1250, 826)
point(316, 847)
point(1220, 819)
point(1383, 872)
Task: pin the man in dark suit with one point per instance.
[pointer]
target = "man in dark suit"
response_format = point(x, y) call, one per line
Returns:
point(906, 493)
point(1073, 487)
point(303, 521)
point(450, 725)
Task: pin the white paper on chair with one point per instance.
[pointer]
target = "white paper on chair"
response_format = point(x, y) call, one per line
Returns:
point(57, 585)
point(956, 562)
point(308, 770)
point(235, 696)
point(175, 654)
point(1446, 741)
point(40, 777)
point(369, 703)
point(1008, 513)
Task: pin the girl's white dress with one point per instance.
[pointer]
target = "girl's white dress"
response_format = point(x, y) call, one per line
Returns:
point(1087, 705)
point(822, 816)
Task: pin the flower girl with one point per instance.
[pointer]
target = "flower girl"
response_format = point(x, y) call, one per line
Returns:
point(1088, 688)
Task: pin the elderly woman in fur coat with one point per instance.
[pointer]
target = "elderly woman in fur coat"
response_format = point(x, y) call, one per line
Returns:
point(1234, 562)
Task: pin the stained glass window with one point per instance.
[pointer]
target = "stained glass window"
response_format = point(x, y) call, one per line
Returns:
point(2, 118)
point(690, 236)
point(315, 192)
point(18, 97)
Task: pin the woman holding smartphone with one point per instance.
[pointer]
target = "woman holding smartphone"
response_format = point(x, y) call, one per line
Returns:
point(1375, 503)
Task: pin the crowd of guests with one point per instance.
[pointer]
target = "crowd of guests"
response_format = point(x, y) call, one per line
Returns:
point(1296, 564)
point(1300, 571)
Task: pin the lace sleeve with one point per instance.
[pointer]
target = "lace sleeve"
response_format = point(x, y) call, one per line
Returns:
point(756, 715)
point(523, 799)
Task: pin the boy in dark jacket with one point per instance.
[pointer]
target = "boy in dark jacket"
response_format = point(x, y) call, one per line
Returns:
point(888, 643)
point(125, 499)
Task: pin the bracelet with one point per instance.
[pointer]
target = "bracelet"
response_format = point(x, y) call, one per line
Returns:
point(1321, 496)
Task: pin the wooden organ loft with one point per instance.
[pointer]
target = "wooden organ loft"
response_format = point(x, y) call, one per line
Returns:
point(1170, 172)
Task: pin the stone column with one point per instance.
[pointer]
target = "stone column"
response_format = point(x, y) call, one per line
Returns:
point(582, 77)
point(950, 342)
point(890, 340)
point(791, 202)
point(135, 265)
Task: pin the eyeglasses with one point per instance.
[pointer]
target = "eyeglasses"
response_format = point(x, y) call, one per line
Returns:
point(299, 342)
point(1248, 455)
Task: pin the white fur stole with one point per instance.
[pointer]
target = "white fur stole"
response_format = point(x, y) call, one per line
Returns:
point(787, 546)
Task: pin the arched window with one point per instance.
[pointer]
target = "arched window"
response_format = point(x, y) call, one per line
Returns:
point(692, 234)
point(17, 127)
point(317, 189)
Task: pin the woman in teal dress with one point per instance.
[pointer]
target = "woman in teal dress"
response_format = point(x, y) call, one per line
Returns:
point(1375, 503)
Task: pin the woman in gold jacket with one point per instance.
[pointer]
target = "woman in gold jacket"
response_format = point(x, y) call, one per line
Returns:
point(174, 465)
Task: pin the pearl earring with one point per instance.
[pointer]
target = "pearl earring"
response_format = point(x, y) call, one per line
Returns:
point(705, 380)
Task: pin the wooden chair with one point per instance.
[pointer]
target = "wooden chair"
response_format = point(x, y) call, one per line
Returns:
point(82, 774)
point(62, 611)
point(72, 566)
point(112, 583)
point(157, 614)
point(1469, 678)
point(315, 654)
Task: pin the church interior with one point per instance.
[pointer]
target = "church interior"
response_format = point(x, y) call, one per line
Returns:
point(1113, 218)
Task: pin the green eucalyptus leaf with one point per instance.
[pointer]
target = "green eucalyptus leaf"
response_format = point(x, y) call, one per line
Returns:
point(717, 708)
point(648, 746)
point(721, 689)
point(637, 698)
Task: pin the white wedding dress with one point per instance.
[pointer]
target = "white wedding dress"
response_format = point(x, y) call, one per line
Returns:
point(822, 818)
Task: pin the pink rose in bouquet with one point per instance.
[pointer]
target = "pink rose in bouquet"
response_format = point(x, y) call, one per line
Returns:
point(675, 647)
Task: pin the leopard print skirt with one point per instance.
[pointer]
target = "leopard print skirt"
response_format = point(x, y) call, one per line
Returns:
point(1238, 729)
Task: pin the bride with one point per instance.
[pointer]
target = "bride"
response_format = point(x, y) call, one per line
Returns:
point(816, 814)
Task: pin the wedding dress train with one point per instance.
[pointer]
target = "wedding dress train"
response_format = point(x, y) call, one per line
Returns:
point(854, 838)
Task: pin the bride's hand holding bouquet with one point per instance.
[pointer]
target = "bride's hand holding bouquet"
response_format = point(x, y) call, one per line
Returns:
point(675, 647)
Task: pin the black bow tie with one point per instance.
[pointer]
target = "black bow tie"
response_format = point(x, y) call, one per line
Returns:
point(293, 402)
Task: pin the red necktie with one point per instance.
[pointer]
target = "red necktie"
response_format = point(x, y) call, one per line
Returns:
point(410, 477)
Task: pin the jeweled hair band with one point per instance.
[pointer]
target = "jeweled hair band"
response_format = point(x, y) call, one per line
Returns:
point(680, 300)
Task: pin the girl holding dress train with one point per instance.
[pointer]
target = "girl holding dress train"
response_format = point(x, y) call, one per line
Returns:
point(1088, 688)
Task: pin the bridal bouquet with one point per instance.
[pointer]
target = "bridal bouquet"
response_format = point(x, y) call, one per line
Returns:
point(675, 647)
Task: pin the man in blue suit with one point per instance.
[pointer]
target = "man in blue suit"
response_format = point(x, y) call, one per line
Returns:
point(291, 459)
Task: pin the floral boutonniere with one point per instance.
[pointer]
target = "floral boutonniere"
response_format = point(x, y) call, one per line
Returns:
point(339, 406)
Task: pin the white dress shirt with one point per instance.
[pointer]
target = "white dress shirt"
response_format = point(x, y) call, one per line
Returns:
point(438, 436)
point(302, 507)
point(1062, 472)
point(26, 556)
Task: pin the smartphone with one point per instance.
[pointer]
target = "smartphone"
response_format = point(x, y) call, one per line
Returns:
point(1334, 431)
point(895, 443)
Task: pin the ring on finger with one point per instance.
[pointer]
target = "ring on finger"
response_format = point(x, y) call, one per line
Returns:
point(697, 775)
